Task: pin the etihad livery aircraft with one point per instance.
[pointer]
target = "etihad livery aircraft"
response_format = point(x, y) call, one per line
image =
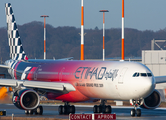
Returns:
point(75, 80)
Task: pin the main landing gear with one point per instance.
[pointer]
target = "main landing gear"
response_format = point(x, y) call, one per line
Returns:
point(66, 109)
point(136, 104)
point(102, 108)
point(37, 111)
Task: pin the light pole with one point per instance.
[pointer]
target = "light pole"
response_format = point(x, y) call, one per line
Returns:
point(123, 30)
point(82, 29)
point(44, 34)
point(103, 32)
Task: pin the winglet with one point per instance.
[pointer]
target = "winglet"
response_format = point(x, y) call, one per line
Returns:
point(16, 49)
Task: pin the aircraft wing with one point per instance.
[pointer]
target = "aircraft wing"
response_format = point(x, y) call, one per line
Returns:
point(43, 86)
point(160, 79)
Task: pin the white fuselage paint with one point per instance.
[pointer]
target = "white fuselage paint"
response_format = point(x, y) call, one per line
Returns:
point(124, 86)
point(117, 82)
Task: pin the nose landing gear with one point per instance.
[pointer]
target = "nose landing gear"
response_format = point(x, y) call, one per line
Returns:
point(136, 104)
point(135, 111)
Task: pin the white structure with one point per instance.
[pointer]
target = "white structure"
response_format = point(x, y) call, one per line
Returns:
point(154, 42)
point(155, 60)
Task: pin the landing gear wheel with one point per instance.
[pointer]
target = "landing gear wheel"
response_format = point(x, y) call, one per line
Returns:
point(132, 112)
point(72, 109)
point(99, 109)
point(66, 109)
point(39, 110)
point(138, 112)
point(60, 110)
point(102, 108)
point(108, 109)
point(95, 108)
point(136, 104)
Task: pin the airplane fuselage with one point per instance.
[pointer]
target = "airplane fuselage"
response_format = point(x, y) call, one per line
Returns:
point(92, 79)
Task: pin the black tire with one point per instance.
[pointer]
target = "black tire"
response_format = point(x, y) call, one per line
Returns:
point(65, 110)
point(60, 110)
point(108, 109)
point(72, 109)
point(95, 108)
point(99, 109)
point(133, 112)
point(39, 110)
point(104, 109)
point(138, 112)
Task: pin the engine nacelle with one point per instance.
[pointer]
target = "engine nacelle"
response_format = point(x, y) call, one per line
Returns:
point(152, 101)
point(26, 99)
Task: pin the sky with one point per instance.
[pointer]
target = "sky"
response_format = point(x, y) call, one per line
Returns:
point(139, 14)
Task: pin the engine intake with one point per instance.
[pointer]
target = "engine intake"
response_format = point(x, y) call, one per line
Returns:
point(26, 99)
point(152, 101)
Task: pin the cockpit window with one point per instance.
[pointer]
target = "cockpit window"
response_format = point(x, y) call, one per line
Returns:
point(149, 74)
point(137, 75)
point(142, 74)
point(134, 74)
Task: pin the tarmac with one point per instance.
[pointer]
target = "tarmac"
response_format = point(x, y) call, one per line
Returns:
point(51, 113)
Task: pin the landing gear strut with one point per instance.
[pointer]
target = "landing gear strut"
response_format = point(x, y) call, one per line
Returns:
point(136, 104)
point(66, 109)
point(102, 108)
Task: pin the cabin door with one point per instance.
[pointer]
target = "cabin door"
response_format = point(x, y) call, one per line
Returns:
point(121, 76)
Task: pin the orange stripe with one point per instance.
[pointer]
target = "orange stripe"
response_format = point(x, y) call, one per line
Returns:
point(82, 51)
point(103, 42)
point(44, 46)
point(123, 8)
point(122, 48)
point(82, 15)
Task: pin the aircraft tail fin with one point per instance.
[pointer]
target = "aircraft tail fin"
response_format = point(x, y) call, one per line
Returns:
point(16, 49)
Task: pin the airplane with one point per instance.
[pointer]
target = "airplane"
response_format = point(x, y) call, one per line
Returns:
point(75, 80)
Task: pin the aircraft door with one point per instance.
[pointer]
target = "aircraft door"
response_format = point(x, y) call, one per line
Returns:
point(60, 74)
point(121, 76)
point(37, 72)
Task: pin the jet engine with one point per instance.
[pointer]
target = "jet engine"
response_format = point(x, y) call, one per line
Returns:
point(26, 99)
point(152, 101)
